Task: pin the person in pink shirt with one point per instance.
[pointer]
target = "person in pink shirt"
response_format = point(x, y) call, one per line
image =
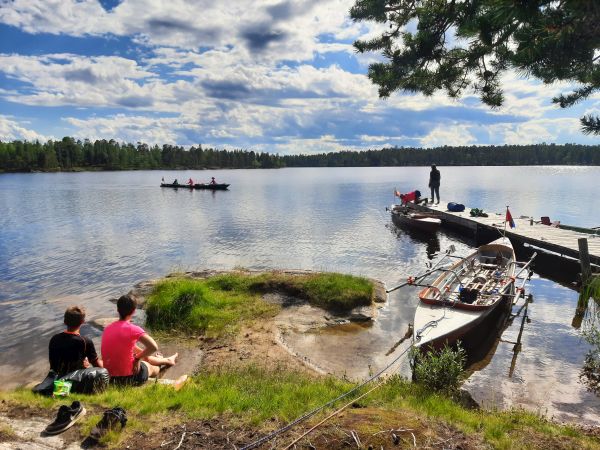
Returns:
point(126, 362)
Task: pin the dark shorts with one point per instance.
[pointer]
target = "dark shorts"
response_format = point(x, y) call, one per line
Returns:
point(133, 380)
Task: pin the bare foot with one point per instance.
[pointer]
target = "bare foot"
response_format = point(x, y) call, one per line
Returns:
point(172, 360)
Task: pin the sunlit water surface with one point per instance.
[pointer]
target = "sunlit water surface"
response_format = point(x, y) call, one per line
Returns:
point(82, 238)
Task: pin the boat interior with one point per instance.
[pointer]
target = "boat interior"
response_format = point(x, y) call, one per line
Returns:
point(477, 281)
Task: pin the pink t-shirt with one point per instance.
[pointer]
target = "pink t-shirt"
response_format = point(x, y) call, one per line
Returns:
point(118, 342)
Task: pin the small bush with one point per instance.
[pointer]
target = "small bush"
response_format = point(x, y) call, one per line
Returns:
point(440, 371)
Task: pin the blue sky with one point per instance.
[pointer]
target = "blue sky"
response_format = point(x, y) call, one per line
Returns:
point(276, 76)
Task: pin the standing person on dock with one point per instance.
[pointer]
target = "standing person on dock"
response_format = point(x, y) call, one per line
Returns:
point(434, 183)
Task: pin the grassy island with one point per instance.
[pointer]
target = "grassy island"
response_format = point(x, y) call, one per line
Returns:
point(237, 401)
point(220, 303)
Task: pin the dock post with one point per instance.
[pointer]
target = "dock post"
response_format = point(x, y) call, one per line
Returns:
point(584, 260)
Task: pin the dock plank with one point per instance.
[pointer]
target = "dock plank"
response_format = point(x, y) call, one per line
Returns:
point(558, 240)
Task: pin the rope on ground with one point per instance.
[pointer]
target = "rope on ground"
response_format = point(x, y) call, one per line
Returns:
point(309, 414)
point(333, 414)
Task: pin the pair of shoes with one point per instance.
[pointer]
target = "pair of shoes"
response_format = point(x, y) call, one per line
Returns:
point(65, 418)
point(110, 419)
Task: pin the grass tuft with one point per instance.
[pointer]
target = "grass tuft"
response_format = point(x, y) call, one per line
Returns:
point(212, 308)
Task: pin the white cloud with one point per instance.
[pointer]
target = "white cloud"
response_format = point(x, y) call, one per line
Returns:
point(535, 131)
point(131, 128)
point(454, 134)
point(268, 30)
point(11, 130)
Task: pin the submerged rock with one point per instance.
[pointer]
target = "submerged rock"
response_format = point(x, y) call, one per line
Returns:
point(359, 317)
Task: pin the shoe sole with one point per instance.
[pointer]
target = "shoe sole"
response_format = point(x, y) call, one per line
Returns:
point(69, 425)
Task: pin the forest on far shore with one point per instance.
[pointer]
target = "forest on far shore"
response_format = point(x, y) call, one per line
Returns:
point(70, 154)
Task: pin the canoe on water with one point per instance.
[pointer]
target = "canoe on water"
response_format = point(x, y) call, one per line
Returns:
point(214, 187)
point(402, 216)
point(459, 300)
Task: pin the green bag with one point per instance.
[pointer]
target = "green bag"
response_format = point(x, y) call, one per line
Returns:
point(62, 388)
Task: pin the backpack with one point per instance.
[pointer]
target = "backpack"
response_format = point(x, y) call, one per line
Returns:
point(456, 207)
point(88, 381)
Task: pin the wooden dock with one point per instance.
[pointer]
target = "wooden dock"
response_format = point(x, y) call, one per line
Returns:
point(561, 241)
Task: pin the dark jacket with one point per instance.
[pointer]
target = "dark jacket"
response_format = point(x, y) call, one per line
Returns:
point(434, 178)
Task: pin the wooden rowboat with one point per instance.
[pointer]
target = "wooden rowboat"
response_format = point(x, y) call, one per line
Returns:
point(214, 187)
point(465, 295)
point(402, 216)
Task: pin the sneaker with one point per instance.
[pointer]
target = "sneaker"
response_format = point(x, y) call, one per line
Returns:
point(65, 418)
point(110, 419)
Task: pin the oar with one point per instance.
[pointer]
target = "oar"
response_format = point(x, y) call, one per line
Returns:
point(423, 275)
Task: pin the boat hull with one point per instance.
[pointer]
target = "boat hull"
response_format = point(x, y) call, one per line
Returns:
point(416, 221)
point(471, 332)
point(212, 187)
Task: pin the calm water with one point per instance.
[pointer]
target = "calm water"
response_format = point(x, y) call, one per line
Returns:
point(85, 237)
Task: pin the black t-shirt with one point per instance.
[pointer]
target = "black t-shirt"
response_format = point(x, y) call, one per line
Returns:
point(68, 350)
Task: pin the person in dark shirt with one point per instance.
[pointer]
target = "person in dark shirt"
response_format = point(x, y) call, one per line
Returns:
point(434, 182)
point(69, 351)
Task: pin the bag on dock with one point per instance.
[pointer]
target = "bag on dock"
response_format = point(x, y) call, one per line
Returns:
point(456, 207)
point(476, 212)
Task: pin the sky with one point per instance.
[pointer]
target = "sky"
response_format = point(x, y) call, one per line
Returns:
point(275, 76)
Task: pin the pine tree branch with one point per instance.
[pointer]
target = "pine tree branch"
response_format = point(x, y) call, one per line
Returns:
point(590, 124)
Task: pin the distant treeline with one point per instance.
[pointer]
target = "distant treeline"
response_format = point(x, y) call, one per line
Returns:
point(69, 154)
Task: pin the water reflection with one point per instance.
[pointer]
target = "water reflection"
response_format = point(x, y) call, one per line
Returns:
point(86, 237)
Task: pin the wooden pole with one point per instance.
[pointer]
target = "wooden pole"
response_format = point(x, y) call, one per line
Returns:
point(518, 346)
point(584, 260)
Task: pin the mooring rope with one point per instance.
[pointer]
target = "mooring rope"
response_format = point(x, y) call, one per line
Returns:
point(309, 414)
point(333, 414)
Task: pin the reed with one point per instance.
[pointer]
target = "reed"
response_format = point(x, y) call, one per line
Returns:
point(591, 290)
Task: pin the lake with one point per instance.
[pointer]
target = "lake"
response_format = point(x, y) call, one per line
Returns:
point(82, 238)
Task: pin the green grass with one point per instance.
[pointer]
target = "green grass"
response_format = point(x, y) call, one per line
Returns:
point(199, 306)
point(218, 305)
point(500, 429)
point(250, 394)
point(268, 398)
